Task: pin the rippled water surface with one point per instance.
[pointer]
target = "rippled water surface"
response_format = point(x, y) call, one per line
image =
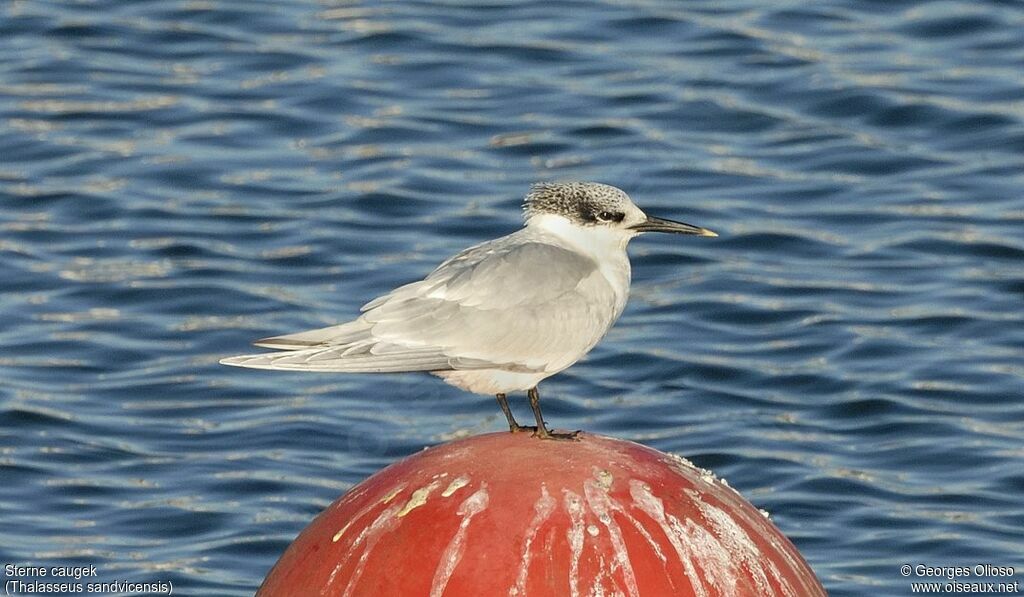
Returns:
point(181, 177)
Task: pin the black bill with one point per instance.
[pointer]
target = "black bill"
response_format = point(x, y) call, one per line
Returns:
point(653, 224)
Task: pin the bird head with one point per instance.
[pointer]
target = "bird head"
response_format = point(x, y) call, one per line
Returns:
point(599, 207)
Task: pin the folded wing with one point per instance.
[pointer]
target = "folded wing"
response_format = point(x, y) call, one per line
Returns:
point(511, 303)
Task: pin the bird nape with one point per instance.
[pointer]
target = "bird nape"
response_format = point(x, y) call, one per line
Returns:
point(502, 315)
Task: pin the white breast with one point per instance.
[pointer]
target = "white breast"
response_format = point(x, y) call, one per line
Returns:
point(606, 246)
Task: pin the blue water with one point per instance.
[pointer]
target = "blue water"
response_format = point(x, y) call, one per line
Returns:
point(178, 178)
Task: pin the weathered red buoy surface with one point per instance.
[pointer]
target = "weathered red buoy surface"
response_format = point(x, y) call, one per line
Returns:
point(504, 514)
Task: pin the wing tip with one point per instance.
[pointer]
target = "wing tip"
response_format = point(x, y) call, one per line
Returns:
point(250, 361)
point(283, 343)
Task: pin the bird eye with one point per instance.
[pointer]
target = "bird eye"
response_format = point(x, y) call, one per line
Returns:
point(606, 216)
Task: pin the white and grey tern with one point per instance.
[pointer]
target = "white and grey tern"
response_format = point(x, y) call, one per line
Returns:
point(500, 316)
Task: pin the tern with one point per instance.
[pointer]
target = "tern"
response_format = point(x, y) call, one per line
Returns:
point(502, 315)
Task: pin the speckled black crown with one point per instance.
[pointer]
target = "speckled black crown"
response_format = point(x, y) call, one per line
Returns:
point(580, 202)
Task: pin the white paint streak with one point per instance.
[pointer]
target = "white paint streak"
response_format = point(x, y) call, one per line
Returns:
point(738, 543)
point(709, 553)
point(542, 510)
point(456, 484)
point(470, 507)
point(575, 535)
point(759, 528)
point(639, 527)
point(714, 557)
point(602, 505)
point(654, 507)
point(387, 498)
point(418, 498)
point(367, 538)
point(764, 530)
point(393, 493)
point(647, 537)
point(603, 578)
point(602, 575)
point(340, 532)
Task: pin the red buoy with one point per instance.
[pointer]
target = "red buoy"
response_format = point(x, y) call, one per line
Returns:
point(508, 514)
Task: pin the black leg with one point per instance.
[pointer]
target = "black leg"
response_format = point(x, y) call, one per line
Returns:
point(542, 430)
point(512, 425)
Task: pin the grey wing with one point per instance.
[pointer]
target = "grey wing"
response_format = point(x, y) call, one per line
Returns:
point(527, 306)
